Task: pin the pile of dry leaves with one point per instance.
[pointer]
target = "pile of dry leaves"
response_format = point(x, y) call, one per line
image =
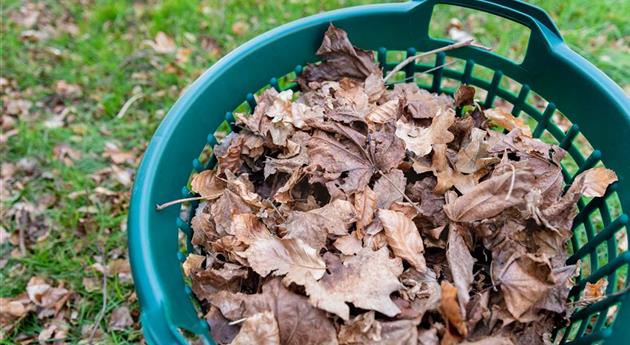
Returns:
point(350, 213)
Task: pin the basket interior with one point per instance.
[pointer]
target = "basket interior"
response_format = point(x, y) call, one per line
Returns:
point(599, 245)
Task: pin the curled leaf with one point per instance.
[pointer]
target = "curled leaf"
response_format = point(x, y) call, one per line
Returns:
point(403, 237)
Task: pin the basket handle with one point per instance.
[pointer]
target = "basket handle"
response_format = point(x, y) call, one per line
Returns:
point(543, 31)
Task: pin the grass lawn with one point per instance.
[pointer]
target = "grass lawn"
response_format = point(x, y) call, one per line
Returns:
point(69, 153)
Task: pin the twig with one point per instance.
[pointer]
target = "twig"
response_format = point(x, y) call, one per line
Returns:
point(236, 322)
point(21, 239)
point(101, 313)
point(425, 72)
point(587, 301)
point(277, 210)
point(128, 104)
point(410, 59)
point(513, 180)
point(399, 191)
point(160, 207)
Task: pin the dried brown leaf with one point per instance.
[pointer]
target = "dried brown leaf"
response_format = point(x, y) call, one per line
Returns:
point(313, 227)
point(224, 210)
point(365, 207)
point(403, 237)
point(506, 120)
point(388, 188)
point(366, 280)
point(258, 329)
point(419, 140)
point(220, 328)
point(336, 158)
point(491, 197)
point(465, 95)
point(339, 59)
point(193, 262)
point(348, 245)
point(460, 262)
point(387, 112)
point(228, 153)
point(451, 310)
point(290, 257)
point(299, 322)
point(524, 280)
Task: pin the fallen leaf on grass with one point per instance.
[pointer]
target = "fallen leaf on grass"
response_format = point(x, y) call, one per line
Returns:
point(120, 319)
point(163, 44)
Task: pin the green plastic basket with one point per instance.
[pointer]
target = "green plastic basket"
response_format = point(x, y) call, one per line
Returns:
point(570, 84)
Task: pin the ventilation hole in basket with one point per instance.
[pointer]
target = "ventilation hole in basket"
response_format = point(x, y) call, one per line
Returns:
point(536, 101)
point(398, 77)
point(296, 95)
point(570, 249)
point(184, 211)
point(243, 108)
point(424, 80)
point(261, 90)
point(287, 81)
point(569, 164)
point(573, 330)
point(182, 241)
point(582, 144)
point(503, 104)
point(559, 334)
point(456, 23)
point(425, 62)
point(223, 130)
point(450, 85)
point(510, 85)
point(585, 266)
point(454, 64)
point(548, 138)
point(614, 205)
point(622, 240)
point(596, 220)
point(601, 252)
point(206, 153)
point(395, 56)
point(561, 121)
point(480, 94)
point(579, 232)
point(482, 73)
point(590, 324)
point(611, 315)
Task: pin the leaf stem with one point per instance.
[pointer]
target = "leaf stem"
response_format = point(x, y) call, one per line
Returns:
point(399, 191)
